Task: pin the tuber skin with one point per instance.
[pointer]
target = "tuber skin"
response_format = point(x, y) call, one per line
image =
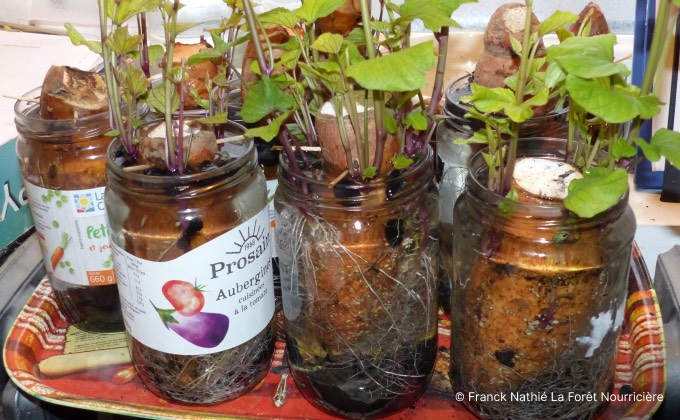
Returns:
point(341, 21)
point(498, 61)
point(199, 147)
point(195, 75)
point(334, 152)
point(277, 35)
point(598, 23)
point(69, 93)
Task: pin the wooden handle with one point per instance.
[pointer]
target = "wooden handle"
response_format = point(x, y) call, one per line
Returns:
point(67, 364)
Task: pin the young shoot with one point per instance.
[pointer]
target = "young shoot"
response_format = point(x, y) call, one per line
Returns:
point(372, 78)
point(582, 72)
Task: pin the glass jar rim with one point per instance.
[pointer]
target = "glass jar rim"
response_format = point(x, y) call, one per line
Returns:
point(246, 155)
point(22, 108)
point(318, 191)
point(28, 122)
point(552, 148)
point(455, 110)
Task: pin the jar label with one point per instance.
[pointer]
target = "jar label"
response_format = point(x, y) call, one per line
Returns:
point(73, 234)
point(213, 298)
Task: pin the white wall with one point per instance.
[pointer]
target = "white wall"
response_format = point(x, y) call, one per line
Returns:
point(619, 13)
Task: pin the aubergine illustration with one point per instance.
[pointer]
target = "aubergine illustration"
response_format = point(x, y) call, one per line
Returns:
point(203, 329)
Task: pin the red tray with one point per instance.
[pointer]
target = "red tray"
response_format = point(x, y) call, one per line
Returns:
point(40, 332)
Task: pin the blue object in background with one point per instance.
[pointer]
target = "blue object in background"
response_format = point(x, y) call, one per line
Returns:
point(645, 12)
point(15, 215)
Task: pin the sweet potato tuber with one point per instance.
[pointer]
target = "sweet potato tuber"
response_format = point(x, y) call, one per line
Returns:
point(277, 35)
point(195, 75)
point(498, 61)
point(341, 21)
point(334, 153)
point(200, 145)
point(69, 93)
point(591, 15)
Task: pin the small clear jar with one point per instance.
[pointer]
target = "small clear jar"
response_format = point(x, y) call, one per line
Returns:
point(63, 165)
point(538, 299)
point(358, 274)
point(193, 257)
point(455, 158)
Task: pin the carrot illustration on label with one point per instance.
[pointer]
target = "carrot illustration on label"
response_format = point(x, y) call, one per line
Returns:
point(58, 253)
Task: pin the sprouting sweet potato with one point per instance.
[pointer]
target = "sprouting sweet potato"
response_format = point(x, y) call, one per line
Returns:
point(195, 75)
point(69, 93)
point(341, 21)
point(591, 15)
point(199, 146)
point(277, 35)
point(498, 61)
point(333, 150)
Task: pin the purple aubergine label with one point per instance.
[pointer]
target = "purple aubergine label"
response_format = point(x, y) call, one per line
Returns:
point(211, 299)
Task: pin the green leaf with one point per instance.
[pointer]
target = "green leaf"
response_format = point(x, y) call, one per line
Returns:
point(356, 37)
point(509, 202)
point(401, 71)
point(279, 16)
point(400, 161)
point(390, 123)
point(518, 113)
point(328, 42)
point(649, 105)
point(597, 191)
point(264, 97)
point(311, 10)
point(557, 20)
point(490, 99)
point(289, 59)
point(156, 98)
point(296, 131)
point(479, 137)
point(133, 80)
point(598, 46)
point(417, 120)
point(539, 98)
point(77, 39)
point(620, 148)
point(516, 45)
point(667, 142)
point(181, 27)
point(435, 14)
point(215, 119)
point(369, 172)
point(155, 52)
point(269, 131)
point(203, 56)
point(591, 67)
point(554, 75)
point(121, 42)
point(616, 105)
point(353, 52)
point(125, 10)
point(378, 25)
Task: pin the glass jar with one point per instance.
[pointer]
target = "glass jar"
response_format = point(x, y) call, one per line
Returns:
point(358, 274)
point(193, 257)
point(455, 158)
point(538, 299)
point(63, 165)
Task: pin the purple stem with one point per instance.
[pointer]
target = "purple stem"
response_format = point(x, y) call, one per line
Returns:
point(144, 56)
point(180, 134)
